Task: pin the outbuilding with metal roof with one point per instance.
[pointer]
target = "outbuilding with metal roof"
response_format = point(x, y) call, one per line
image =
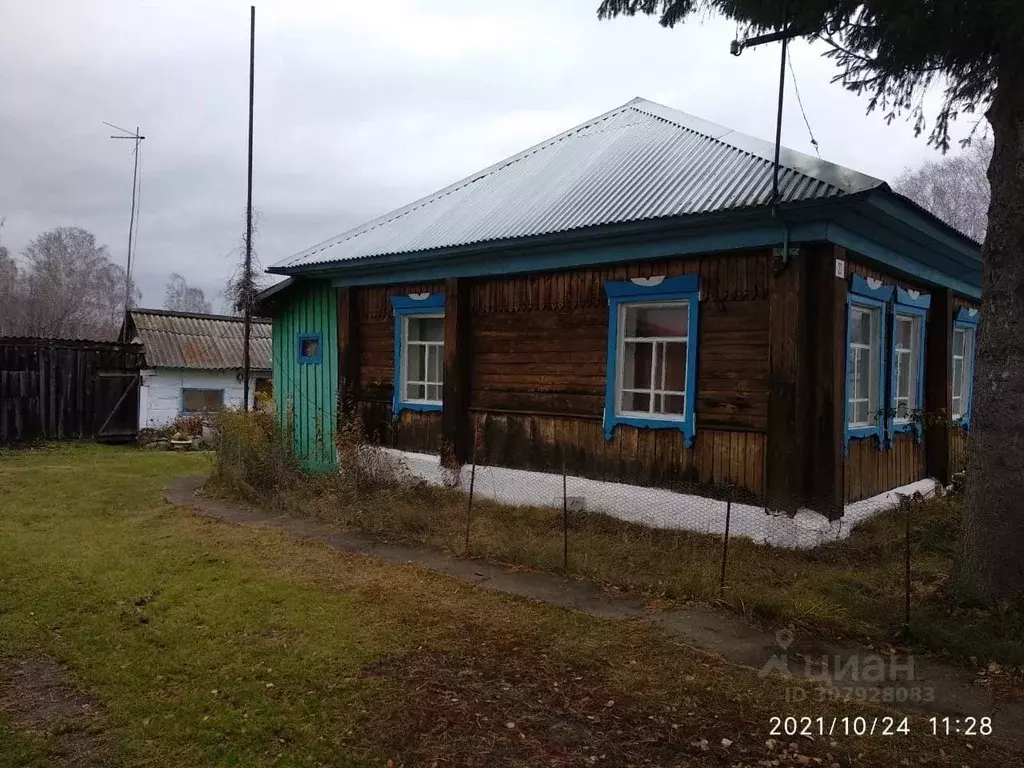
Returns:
point(193, 362)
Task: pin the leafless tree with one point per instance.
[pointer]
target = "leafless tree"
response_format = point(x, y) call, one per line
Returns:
point(182, 297)
point(64, 286)
point(10, 306)
point(955, 188)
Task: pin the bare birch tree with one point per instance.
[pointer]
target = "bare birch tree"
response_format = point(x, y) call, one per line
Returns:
point(955, 188)
point(182, 297)
point(65, 286)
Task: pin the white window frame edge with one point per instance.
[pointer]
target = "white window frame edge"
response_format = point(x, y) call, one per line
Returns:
point(404, 358)
point(620, 344)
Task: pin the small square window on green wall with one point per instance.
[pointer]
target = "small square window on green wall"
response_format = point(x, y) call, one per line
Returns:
point(309, 347)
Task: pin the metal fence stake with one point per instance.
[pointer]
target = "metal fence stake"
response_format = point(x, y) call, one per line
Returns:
point(565, 518)
point(725, 546)
point(906, 585)
point(472, 482)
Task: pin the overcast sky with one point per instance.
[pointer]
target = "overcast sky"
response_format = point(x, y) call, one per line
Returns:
point(358, 111)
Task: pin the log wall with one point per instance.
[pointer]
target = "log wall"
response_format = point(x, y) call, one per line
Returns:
point(536, 354)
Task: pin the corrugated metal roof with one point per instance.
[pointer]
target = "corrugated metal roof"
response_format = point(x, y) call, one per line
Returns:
point(638, 162)
point(213, 342)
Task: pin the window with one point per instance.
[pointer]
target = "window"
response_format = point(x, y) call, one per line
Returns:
point(652, 372)
point(419, 352)
point(201, 400)
point(906, 371)
point(863, 372)
point(961, 383)
point(868, 307)
point(309, 348)
point(963, 365)
point(652, 354)
point(965, 332)
point(422, 368)
point(905, 359)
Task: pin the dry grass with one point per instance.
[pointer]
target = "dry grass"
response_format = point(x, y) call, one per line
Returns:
point(207, 643)
point(852, 589)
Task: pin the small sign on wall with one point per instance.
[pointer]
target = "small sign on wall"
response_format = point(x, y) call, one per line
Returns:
point(841, 269)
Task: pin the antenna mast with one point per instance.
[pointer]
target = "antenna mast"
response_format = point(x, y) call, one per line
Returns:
point(136, 137)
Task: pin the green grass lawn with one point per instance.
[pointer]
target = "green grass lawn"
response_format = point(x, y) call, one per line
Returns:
point(204, 643)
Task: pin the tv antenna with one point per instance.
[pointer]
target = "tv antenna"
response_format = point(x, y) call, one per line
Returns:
point(737, 47)
point(137, 138)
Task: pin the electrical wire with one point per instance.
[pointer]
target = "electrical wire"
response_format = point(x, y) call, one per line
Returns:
point(800, 102)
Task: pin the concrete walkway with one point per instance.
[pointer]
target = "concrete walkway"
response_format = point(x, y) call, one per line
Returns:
point(920, 686)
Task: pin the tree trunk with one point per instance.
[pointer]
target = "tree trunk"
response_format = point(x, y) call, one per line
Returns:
point(990, 562)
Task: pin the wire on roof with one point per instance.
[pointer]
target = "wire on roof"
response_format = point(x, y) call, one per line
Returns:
point(800, 102)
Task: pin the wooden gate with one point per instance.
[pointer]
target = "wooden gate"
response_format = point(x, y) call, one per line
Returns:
point(57, 389)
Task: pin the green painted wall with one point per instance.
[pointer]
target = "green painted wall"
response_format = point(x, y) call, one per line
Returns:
point(308, 391)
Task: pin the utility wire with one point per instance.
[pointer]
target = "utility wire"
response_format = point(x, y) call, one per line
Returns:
point(800, 102)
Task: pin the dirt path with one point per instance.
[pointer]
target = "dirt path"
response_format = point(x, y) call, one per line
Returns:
point(35, 697)
point(919, 685)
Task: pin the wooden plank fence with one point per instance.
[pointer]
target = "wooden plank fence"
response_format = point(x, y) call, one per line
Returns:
point(58, 389)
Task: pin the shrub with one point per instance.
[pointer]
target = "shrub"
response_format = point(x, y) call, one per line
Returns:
point(253, 456)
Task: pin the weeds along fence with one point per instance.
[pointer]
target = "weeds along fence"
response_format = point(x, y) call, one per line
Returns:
point(676, 541)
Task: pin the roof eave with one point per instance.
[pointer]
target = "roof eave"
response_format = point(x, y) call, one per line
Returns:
point(645, 228)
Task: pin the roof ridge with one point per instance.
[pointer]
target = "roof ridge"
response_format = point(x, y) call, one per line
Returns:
point(846, 179)
point(197, 315)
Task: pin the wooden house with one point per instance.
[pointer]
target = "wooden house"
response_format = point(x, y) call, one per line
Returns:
point(634, 296)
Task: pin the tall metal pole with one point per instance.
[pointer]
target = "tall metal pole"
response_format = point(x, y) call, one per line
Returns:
point(778, 125)
point(247, 277)
point(136, 137)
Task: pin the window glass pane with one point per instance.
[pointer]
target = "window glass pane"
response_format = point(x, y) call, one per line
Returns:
point(904, 332)
point(310, 347)
point(645, 322)
point(958, 342)
point(434, 329)
point(433, 392)
point(674, 404)
point(636, 365)
point(415, 355)
point(860, 326)
point(860, 412)
point(201, 400)
point(958, 408)
point(675, 366)
point(659, 367)
point(426, 329)
point(958, 377)
point(636, 401)
point(862, 379)
point(903, 374)
point(414, 392)
point(435, 364)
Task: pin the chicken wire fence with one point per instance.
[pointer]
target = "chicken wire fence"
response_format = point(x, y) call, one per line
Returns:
point(675, 539)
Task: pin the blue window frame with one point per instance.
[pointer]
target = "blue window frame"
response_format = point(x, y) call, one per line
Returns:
point(652, 354)
point(906, 363)
point(865, 359)
point(309, 348)
point(419, 352)
point(201, 400)
point(965, 335)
